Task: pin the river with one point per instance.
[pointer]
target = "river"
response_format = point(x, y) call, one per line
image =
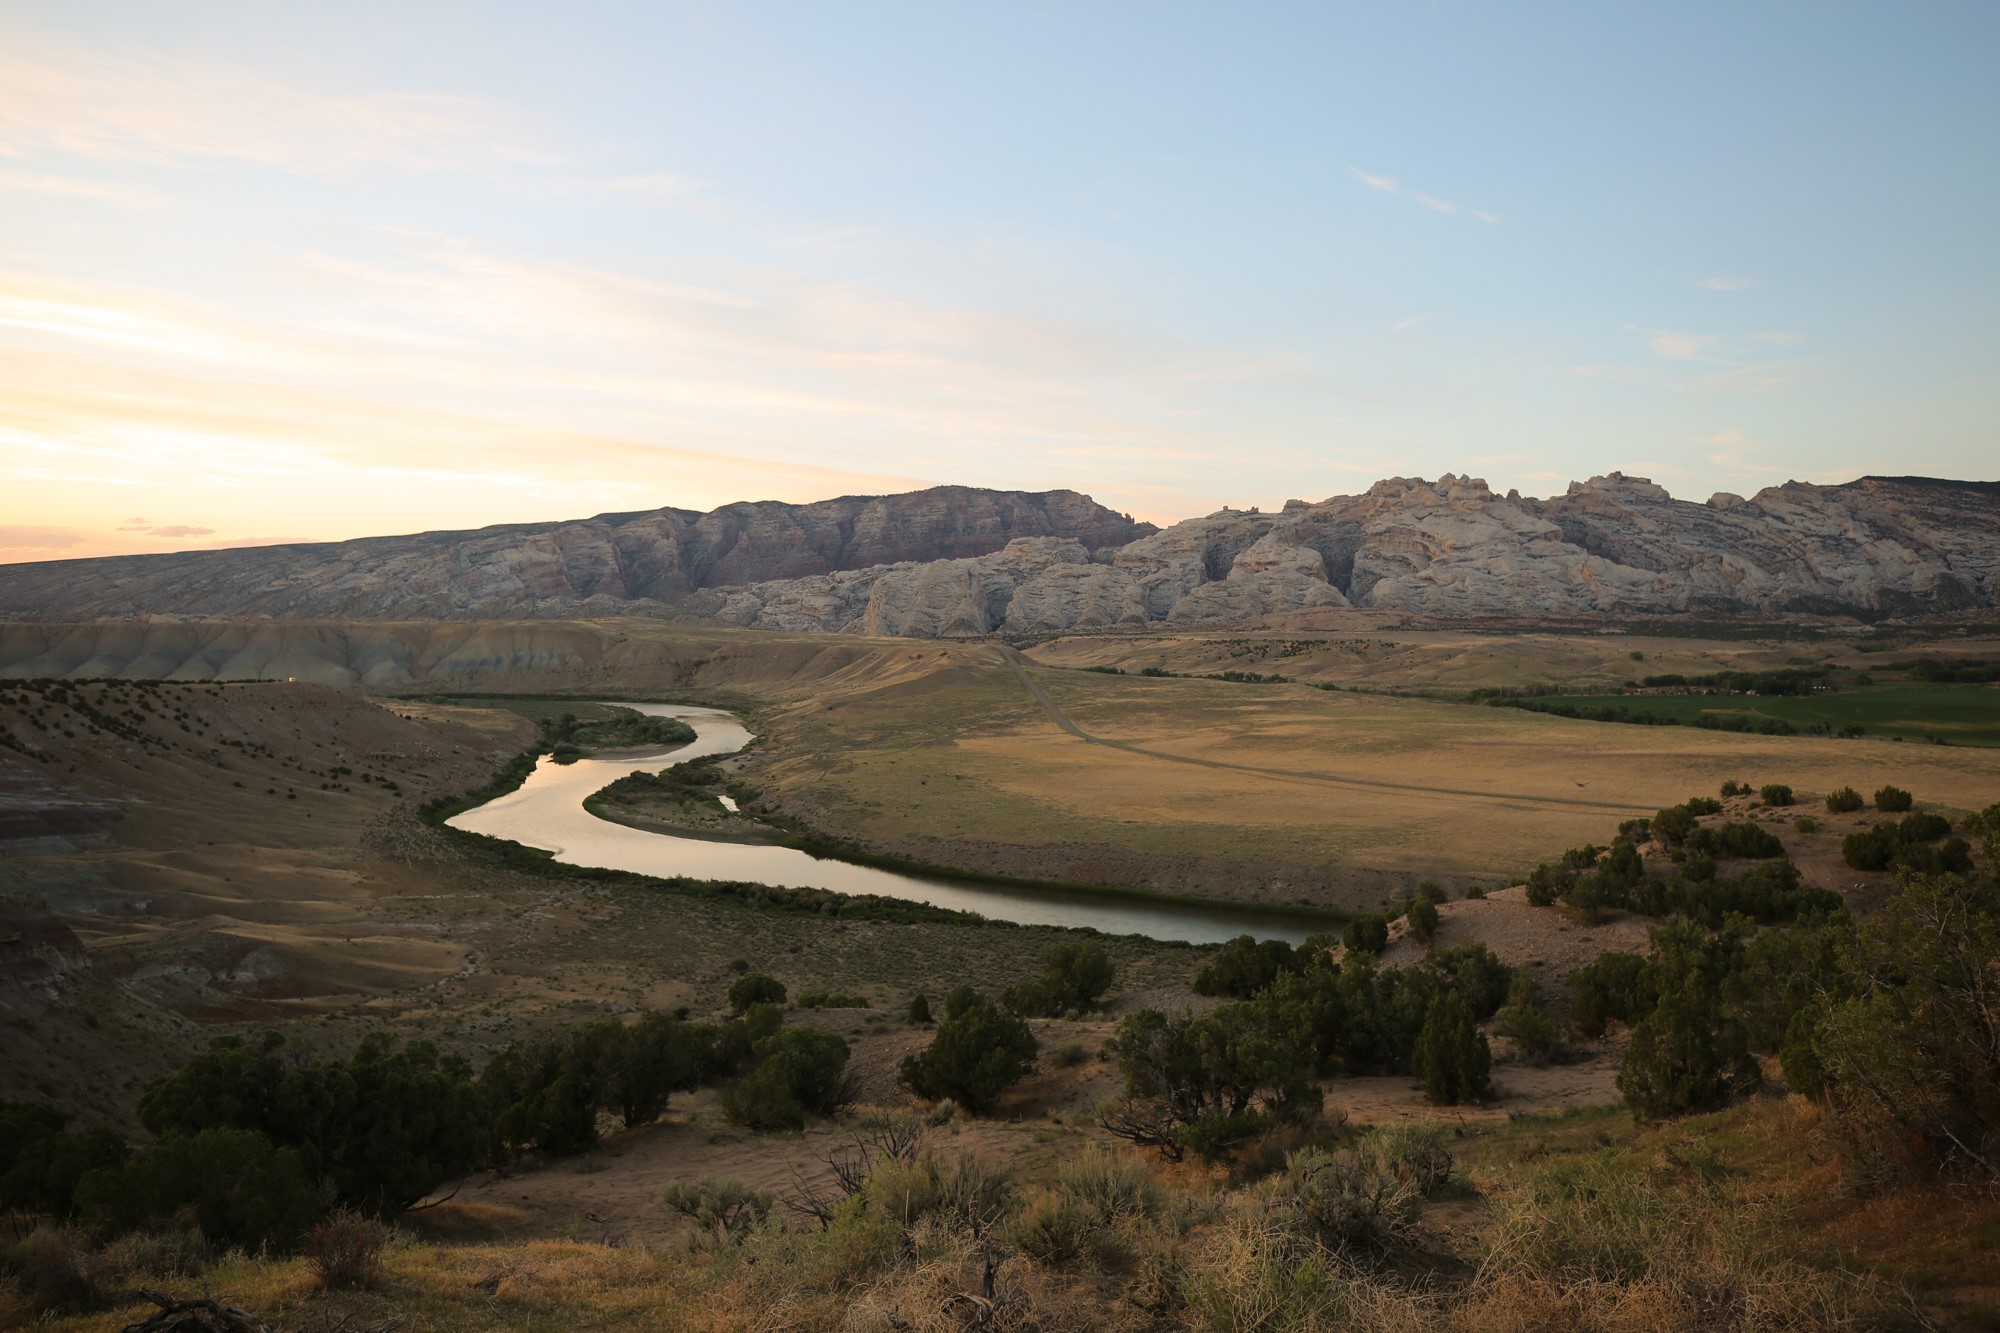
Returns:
point(547, 812)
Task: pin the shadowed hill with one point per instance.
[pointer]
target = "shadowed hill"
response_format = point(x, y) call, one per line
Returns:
point(607, 565)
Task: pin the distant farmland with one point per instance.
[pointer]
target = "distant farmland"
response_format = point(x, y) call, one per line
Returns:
point(1955, 714)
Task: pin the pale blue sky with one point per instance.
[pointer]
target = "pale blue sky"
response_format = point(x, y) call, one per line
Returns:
point(309, 271)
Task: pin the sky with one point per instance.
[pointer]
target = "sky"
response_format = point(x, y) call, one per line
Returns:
point(315, 271)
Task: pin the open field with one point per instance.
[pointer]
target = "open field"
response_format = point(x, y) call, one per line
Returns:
point(1333, 798)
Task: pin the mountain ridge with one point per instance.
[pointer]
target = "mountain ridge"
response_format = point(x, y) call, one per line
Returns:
point(641, 561)
point(955, 561)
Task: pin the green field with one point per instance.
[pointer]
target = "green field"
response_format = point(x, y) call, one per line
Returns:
point(1954, 714)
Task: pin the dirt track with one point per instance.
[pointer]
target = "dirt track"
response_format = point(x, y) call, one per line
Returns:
point(1014, 660)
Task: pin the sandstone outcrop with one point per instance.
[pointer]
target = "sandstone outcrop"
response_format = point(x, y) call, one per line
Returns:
point(609, 565)
point(1612, 546)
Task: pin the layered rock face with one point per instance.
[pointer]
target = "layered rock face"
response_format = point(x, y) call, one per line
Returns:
point(1614, 545)
point(612, 564)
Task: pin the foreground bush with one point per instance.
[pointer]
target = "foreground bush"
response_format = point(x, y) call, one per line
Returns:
point(42, 1159)
point(1910, 1061)
point(722, 1210)
point(346, 1250)
point(238, 1188)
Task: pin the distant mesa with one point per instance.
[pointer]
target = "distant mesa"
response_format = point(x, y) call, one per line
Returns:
point(961, 561)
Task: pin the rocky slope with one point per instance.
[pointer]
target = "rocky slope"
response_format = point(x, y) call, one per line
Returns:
point(1614, 545)
point(611, 564)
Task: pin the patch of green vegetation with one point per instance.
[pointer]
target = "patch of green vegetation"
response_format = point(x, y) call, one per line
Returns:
point(1943, 714)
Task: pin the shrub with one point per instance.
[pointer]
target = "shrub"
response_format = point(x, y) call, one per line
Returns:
point(964, 1192)
point(1349, 1201)
point(1368, 933)
point(919, 1014)
point(546, 1092)
point(832, 1000)
point(1892, 800)
point(1806, 824)
point(1056, 1229)
point(1804, 1073)
point(1745, 840)
point(1523, 1021)
point(1734, 788)
point(1075, 974)
point(50, 1271)
point(754, 988)
point(1418, 1152)
point(1451, 1058)
point(1245, 966)
point(241, 1190)
point(383, 1127)
point(1109, 1185)
point(1908, 1060)
point(1776, 793)
point(1546, 883)
point(736, 1041)
point(1843, 802)
point(1902, 845)
point(41, 1161)
point(1210, 1083)
point(1069, 1055)
point(799, 1072)
point(723, 1209)
point(1685, 1056)
point(979, 1052)
point(1423, 916)
point(651, 1059)
point(1614, 987)
point(1474, 972)
point(345, 1250)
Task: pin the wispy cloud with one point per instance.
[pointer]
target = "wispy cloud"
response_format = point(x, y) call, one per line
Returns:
point(1738, 362)
point(100, 106)
point(76, 187)
point(1726, 284)
point(19, 542)
point(1671, 346)
point(97, 105)
point(1388, 185)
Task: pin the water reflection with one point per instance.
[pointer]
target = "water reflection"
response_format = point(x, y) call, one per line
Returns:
point(547, 812)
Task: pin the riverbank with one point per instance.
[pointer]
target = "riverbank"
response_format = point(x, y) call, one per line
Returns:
point(548, 815)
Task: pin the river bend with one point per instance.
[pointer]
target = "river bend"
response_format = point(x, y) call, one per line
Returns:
point(547, 812)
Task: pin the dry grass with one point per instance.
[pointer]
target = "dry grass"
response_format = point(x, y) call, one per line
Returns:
point(1582, 1223)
